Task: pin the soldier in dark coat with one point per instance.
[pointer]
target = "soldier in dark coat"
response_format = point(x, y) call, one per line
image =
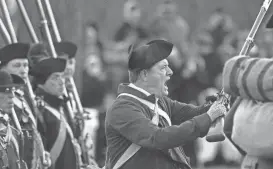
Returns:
point(144, 128)
point(57, 134)
point(14, 60)
point(9, 146)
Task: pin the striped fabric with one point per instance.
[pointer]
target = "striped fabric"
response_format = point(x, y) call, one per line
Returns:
point(250, 78)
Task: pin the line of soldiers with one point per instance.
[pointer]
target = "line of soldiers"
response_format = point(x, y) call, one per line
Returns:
point(29, 138)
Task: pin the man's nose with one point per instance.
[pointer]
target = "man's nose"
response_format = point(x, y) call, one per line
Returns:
point(169, 72)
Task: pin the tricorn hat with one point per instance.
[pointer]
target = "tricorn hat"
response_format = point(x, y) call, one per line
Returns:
point(44, 68)
point(13, 51)
point(9, 80)
point(147, 55)
point(67, 48)
point(36, 53)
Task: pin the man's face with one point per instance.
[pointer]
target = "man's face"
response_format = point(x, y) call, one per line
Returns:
point(18, 67)
point(6, 101)
point(132, 12)
point(157, 77)
point(55, 84)
point(70, 64)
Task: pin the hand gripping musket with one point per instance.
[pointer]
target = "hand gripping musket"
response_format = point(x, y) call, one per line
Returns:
point(43, 155)
point(218, 136)
point(86, 159)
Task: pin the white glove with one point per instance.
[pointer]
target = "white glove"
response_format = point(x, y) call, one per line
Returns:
point(216, 110)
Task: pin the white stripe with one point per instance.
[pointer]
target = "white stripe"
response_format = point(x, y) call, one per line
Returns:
point(150, 105)
point(24, 106)
point(58, 116)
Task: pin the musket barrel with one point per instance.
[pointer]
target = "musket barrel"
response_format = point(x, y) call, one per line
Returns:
point(5, 32)
point(250, 38)
point(52, 21)
point(46, 29)
point(27, 21)
point(7, 18)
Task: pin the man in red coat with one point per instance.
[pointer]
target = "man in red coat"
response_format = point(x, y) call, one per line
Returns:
point(144, 128)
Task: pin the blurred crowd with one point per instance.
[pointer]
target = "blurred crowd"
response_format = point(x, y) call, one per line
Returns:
point(197, 61)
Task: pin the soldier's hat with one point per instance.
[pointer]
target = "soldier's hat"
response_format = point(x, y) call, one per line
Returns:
point(9, 80)
point(13, 51)
point(44, 68)
point(269, 24)
point(36, 53)
point(145, 56)
point(66, 47)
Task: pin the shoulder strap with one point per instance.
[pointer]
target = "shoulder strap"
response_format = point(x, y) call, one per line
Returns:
point(150, 105)
point(60, 140)
point(133, 148)
point(64, 129)
point(130, 151)
point(23, 105)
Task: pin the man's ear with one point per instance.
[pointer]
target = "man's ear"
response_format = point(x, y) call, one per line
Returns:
point(143, 75)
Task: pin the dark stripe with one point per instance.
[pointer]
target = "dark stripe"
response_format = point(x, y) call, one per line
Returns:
point(245, 76)
point(234, 76)
point(260, 80)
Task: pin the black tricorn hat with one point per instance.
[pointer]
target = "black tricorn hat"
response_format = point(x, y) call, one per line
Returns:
point(10, 80)
point(269, 24)
point(145, 56)
point(13, 51)
point(36, 53)
point(66, 47)
point(44, 68)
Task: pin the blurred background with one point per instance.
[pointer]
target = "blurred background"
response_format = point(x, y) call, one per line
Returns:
point(205, 33)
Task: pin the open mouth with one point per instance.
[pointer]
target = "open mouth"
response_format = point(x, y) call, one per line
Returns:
point(166, 84)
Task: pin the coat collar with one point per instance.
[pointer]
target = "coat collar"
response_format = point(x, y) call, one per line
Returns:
point(52, 100)
point(132, 89)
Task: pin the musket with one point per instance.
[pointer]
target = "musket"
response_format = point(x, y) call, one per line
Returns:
point(28, 84)
point(219, 134)
point(80, 110)
point(20, 163)
point(54, 55)
point(4, 32)
point(8, 21)
point(27, 21)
